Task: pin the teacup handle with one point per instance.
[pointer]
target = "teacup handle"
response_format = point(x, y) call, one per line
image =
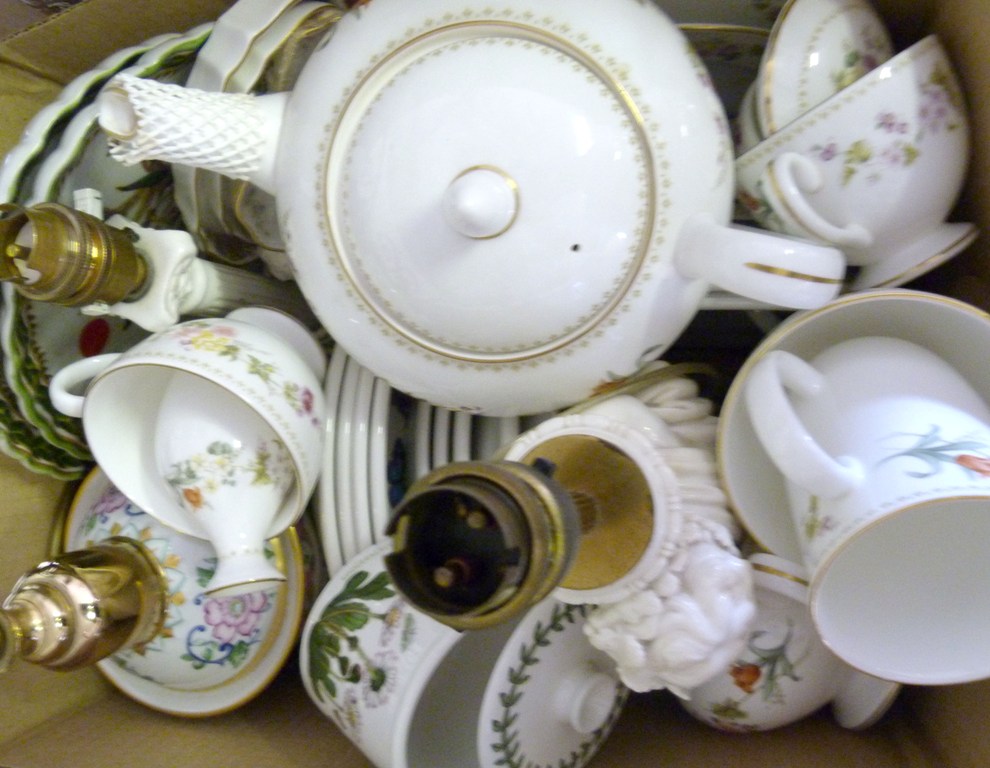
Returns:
point(66, 382)
point(791, 447)
point(766, 266)
point(785, 182)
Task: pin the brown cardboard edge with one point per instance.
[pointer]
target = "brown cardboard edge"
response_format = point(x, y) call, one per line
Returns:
point(37, 61)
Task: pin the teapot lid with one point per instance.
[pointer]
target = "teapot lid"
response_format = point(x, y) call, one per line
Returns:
point(491, 196)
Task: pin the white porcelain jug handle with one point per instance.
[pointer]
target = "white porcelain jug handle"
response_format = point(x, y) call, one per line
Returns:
point(786, 181)
point(791, 447)
point(766, 266)
point(67, 381)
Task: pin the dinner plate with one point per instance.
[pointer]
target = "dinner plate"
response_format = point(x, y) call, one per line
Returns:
point(423, 440)
point(48, 121)
point(460, 436)
point(360, 458)
point(343, 475)
point(325, 499)
point(440, 448)
point(39, 338)
point(381, 429)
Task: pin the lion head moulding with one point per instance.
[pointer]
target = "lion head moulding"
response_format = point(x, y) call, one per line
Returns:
point(495, 208)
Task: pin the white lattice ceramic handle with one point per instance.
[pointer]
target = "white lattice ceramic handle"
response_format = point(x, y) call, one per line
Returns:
point(234, 134)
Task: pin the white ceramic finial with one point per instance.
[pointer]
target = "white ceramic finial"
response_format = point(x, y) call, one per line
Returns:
point(585, 699)
point(481, 202)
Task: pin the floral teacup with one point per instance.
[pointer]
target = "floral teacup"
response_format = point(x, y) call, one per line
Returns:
point(256, 370)
point(212, 653)
point(885, 448)
point(874, 170)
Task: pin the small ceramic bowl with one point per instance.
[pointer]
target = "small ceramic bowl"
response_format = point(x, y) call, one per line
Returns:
point(875, 170)
point(213, 654)
point(785, 672)
point(816, 48)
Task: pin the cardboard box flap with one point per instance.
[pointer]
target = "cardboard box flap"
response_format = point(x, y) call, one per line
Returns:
point(36, 63)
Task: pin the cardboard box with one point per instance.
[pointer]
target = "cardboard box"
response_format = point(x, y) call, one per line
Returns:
point(76, 719)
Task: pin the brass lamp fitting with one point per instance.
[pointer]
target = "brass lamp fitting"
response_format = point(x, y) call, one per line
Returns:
point(54, 253)
point(84, 605)
point(478, 542)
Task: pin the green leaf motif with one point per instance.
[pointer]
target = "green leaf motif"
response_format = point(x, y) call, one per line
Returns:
point(507, 744)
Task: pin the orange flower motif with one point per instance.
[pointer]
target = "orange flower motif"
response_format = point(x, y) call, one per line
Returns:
point(745, 676)
point(193, 496)
point(978, 464)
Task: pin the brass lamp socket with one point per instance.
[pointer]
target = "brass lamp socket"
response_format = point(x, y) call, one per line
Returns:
point(476, 543)
point(54, 253)
point(84, 605)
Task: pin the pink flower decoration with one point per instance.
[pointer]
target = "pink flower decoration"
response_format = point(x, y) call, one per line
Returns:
point(233, 617)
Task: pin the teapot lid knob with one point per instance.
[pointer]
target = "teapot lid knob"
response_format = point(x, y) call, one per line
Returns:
point(481, 202)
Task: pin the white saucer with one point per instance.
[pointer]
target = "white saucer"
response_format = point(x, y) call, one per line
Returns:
point(422, 444)
point(755, 489)
point(440, 453)
point(360, 459)
point(863, 700)
point(460, 436)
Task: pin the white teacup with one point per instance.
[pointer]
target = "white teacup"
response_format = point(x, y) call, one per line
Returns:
point(786, 673)
point(158, 417)
point(874, 170)
point(886, 450)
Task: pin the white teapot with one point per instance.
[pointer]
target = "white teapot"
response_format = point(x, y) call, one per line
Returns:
point(494, 208)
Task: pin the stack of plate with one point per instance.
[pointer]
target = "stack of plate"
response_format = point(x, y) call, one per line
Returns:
point(61, 151)
point(378, 441)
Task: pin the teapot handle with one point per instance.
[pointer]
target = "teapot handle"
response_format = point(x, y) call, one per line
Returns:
point(791, 447)
point(786, 181)
point(65, 383)
point(767, 266)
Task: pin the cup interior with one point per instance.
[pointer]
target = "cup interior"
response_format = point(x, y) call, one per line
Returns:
point(908, 598)
point(120, 418)
point(443, 730)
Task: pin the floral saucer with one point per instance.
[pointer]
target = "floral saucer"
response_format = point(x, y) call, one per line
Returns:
point(213, 654)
